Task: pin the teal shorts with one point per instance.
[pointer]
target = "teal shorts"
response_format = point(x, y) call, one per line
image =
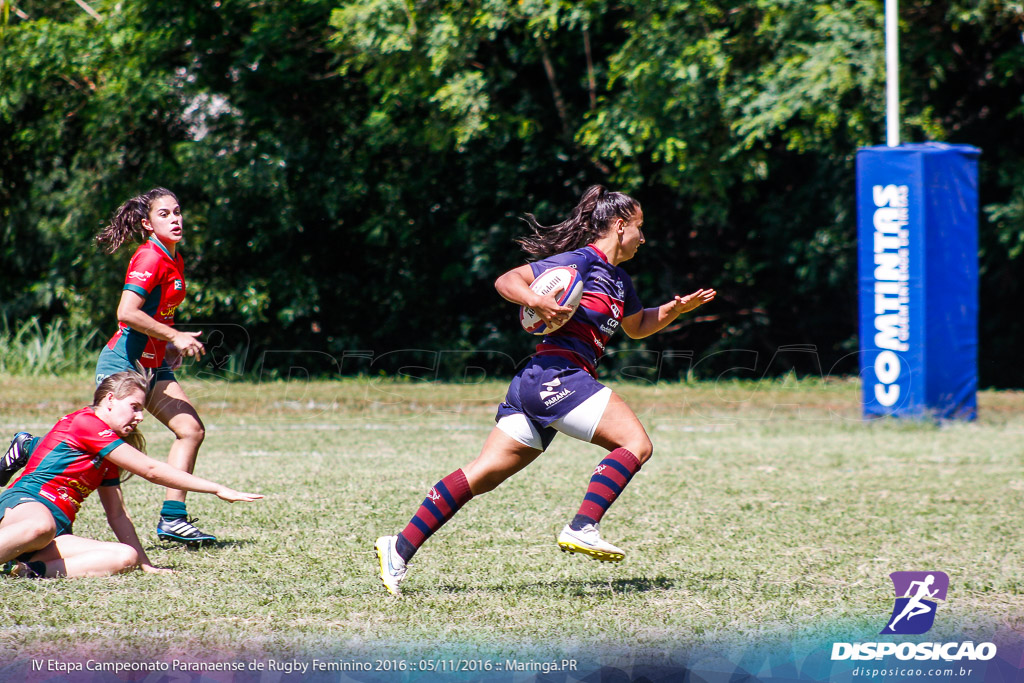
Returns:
point(12, 498)
point(111, 362)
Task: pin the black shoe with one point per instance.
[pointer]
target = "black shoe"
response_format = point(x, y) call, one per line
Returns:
point(182, 530)
point(15, 457)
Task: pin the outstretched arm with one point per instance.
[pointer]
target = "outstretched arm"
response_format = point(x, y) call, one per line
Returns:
point(124, 529)
point(137, 462)
point(650, 320)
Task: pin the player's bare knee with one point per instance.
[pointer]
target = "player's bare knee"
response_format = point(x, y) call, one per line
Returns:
point(127, 558)
point(644, 451)
point(194, 433)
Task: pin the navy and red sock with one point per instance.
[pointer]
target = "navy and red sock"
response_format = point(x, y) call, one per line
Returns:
point(609, 479)
point(442, 502)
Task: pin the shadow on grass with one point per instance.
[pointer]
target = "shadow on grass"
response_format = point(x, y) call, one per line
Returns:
point(570, 586)
point(193, 547)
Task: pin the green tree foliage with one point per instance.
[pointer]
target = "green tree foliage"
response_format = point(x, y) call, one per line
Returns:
point(352, 172)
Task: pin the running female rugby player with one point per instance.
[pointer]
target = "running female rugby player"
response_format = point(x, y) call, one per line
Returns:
point(558, 390)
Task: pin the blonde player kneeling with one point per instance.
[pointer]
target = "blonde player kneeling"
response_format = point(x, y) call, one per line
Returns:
point(86, 450)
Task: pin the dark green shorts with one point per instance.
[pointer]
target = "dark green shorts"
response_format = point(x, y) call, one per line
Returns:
point(12, 498)
point(111, 362)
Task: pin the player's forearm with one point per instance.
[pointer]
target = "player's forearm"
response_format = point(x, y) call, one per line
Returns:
point(140, 321)
point(163, 474)
point(655, 319)
point(124, 529)
point(514, 288)
point(129, 458)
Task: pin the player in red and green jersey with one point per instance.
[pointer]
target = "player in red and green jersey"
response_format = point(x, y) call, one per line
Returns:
point(157, 275)
point(86, 451)
point(146, 337)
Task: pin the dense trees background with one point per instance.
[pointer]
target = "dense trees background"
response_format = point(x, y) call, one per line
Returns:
point(352, 172)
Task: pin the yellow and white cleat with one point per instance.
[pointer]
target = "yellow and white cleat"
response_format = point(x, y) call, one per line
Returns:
point(392, 566)
point(587, 541)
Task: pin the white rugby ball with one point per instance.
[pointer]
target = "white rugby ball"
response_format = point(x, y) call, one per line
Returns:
point(566, 285)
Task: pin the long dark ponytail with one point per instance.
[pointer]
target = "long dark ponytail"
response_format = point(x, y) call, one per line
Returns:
point(126, 223)
point(589, 220)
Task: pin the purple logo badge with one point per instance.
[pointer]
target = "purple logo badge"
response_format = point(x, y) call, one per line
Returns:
point(916, 593)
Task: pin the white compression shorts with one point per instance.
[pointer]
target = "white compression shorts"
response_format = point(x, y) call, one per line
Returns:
point(580, 423)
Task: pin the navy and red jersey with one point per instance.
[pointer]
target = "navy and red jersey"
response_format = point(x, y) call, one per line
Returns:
point(159, 279)
point(608, 297)
point(70, 462)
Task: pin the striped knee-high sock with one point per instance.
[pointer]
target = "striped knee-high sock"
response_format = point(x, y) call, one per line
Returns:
point(610, 477)
point(442, 502)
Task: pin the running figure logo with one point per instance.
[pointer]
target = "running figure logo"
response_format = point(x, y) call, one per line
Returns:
point(551, 388)
point(551, 394)
point(916, 593)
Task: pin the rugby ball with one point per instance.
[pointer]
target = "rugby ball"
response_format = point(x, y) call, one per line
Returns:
point(566, 285)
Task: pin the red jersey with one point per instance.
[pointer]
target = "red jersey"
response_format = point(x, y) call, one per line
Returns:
point(159, 279)
point(70, 462)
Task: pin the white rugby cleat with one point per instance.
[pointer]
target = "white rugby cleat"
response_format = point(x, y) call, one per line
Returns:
point(588, 541)
point(392, 566)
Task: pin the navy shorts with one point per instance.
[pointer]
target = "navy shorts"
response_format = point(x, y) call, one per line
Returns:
point(553, 395)
point(111, 362)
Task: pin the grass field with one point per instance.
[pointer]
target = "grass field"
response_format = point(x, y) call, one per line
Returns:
point(769, 513)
